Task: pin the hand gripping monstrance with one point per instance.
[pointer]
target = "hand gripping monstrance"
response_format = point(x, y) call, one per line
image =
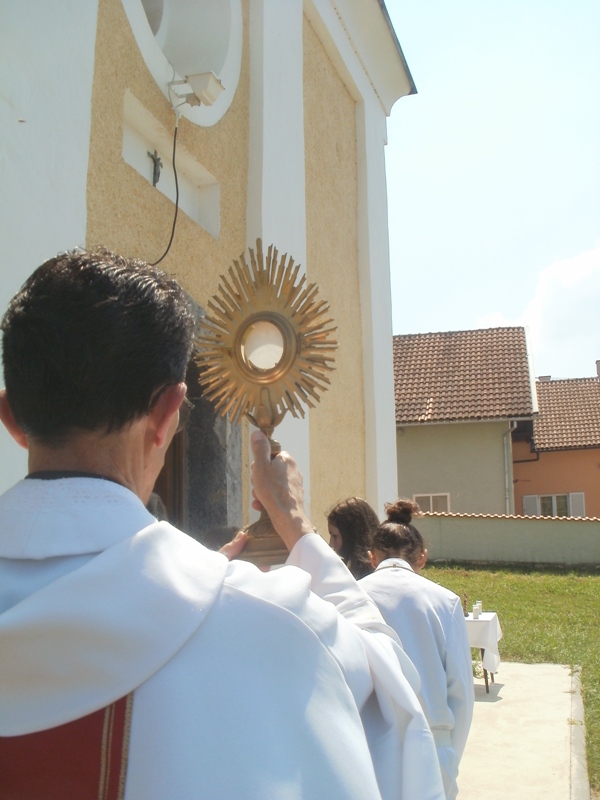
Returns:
point(265, 348)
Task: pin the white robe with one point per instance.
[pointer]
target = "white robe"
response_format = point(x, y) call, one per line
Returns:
point(247, 685)
point(430, 622)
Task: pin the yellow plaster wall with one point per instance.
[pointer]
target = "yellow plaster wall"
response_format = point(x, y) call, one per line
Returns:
point(337, 446)
point(124, 211)
point(127, 214)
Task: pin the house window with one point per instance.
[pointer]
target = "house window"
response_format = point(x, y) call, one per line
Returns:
point(433, 502)
point(554, 505)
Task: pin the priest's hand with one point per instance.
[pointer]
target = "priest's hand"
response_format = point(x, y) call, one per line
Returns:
point(278, 488)
point(233, 548)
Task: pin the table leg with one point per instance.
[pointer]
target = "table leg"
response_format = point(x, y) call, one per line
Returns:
point(485, 673)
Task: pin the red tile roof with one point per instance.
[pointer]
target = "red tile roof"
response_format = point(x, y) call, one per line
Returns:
point(569, 414)
point(461, 376)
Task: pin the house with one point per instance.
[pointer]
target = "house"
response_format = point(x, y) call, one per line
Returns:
point(277, 111)
point(557, 454)
point(459, 394)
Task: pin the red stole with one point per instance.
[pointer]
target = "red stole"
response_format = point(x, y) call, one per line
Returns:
point(82, 760)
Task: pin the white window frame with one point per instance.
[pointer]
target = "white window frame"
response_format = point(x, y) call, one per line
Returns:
point(575, 503)
point(416, 497)
point(181, 33)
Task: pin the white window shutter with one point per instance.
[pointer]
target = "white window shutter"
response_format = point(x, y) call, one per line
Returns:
point(577, 504)
point(531, 505)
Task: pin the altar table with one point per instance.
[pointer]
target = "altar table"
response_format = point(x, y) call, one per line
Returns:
point(485, 633)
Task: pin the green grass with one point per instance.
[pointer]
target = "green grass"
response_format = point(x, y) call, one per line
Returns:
point(547, 616)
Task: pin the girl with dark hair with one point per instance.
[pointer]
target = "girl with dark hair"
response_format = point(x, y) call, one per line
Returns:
point(430, 622)
point(397, 535)
point(351, 524)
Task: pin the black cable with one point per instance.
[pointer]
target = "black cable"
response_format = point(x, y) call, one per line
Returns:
point(154, 263)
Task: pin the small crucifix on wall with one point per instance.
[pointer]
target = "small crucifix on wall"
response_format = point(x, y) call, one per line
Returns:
point(157, 166)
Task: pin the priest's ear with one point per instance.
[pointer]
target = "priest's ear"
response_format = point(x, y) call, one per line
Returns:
point(163, 414)
point(9, 421)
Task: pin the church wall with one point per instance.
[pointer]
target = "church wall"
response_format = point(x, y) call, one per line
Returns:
point(125, 212)
point(45, 97)
point(337, 445)
point(74, 73)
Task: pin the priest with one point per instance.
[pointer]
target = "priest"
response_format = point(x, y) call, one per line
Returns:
point(134, 662)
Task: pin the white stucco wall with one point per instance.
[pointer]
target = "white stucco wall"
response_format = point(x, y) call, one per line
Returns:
point(45, 100)
point(276, 210)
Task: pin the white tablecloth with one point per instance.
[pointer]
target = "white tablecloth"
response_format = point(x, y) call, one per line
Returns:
point(485, 633)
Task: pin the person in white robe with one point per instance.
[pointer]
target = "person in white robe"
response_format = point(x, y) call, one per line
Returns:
point(245, 685)
point(430, 622)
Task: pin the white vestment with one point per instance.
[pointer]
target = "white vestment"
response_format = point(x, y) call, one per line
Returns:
point(248, 685)
point(430, 622)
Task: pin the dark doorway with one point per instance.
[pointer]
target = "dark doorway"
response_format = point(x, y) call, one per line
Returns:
point(200, 483)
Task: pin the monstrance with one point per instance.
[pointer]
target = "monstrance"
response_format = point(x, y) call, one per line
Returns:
point(265, 348)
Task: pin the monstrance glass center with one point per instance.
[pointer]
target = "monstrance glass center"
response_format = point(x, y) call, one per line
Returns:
point(263, 345)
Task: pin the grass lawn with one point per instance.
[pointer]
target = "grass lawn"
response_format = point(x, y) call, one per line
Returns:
point(547, 616)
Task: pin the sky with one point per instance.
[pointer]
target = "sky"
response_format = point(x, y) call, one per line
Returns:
point(493, 173)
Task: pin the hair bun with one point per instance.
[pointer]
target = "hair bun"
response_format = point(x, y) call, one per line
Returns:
point(401, 511)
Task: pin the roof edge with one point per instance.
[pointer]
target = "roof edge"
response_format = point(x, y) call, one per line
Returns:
point(567, 447)
point(517, 418)
point(455, 332)
point(370, 33)
point(504, 516)
point(413, 87)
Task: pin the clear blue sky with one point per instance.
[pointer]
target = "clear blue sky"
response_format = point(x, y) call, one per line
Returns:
point(493, 173)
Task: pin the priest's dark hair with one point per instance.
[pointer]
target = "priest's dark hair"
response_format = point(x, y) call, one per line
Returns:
point(356, 522)
point(396, 536)
point(89, 341)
